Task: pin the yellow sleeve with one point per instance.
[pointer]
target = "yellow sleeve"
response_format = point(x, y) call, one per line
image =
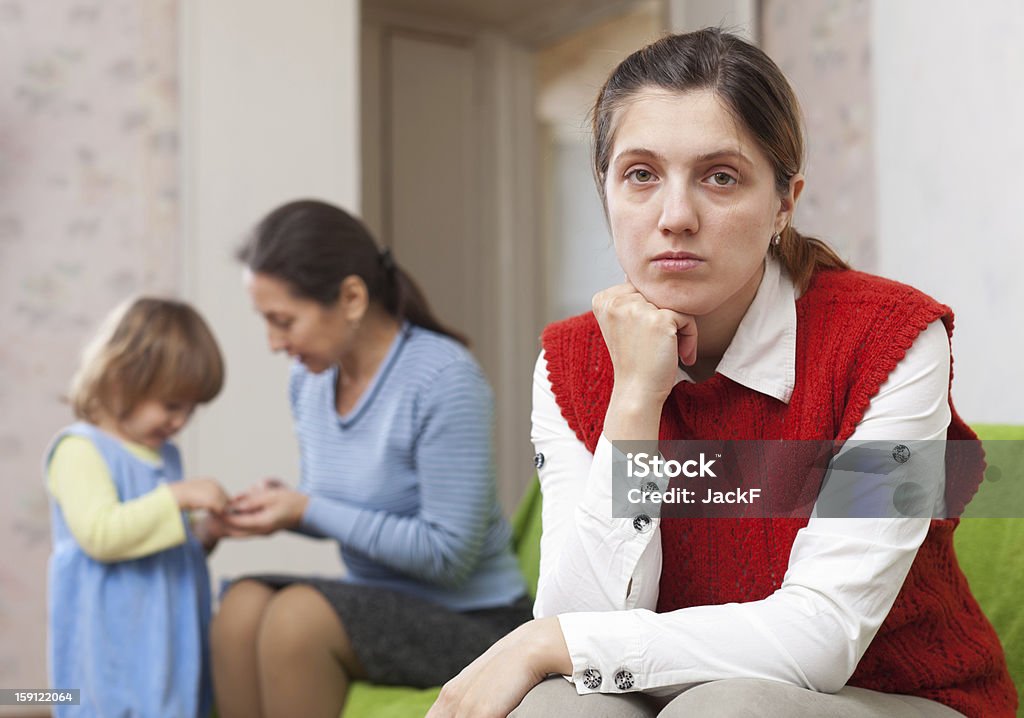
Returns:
point(105, 527)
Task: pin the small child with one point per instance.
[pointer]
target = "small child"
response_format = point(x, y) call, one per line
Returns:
point(129, 593)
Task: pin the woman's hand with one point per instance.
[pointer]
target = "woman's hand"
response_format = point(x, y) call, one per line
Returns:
point(646, 345)
point(496, 682)
point(268, 507)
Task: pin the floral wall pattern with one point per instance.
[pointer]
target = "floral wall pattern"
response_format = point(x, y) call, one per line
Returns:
point(88, 216)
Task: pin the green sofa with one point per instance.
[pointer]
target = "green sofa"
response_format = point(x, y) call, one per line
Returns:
point(991, 553)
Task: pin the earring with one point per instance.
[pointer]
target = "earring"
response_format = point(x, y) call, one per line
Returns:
point(776, 239)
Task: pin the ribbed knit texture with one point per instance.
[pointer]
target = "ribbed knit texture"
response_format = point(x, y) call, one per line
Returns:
point(852, 331)
point(405, 481)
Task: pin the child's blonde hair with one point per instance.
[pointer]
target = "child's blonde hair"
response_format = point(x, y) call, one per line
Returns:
point(147, 348)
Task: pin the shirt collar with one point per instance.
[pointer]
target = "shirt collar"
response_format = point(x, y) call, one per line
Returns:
point(762, 354)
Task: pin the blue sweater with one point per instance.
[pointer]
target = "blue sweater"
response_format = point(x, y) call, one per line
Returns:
point(405, 481)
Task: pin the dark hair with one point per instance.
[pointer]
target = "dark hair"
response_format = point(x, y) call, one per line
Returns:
point(313, 246)
point(754, 90)
point(147, 348)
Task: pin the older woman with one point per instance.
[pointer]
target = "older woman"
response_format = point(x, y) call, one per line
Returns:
point(393, 417)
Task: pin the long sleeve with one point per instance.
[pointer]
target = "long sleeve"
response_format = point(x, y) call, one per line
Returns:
point(441, 543)
point(842, 579)
point(106, 528)
point(588, 559)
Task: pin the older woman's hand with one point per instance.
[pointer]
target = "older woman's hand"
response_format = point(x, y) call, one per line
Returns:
point(496, 682)
point(268, 507)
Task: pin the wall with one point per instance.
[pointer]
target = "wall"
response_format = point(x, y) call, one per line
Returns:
point(270, 102)
point(445, 102)
point(113, 182)
point(825, 52)
point(738, 16)
point(88, 214)
point(580, 259)
point(948, 119)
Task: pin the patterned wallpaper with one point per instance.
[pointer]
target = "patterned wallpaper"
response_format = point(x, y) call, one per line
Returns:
point(824, 49)
point(88, 215)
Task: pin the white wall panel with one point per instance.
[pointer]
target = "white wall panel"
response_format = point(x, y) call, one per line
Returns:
point(949, 106)
point(271, 97)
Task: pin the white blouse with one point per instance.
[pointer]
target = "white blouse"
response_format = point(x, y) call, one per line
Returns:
point(600, 576)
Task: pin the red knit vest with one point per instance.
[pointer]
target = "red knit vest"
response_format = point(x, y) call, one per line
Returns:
point(852, 331)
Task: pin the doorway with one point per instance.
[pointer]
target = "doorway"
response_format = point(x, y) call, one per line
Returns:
point(475, 171)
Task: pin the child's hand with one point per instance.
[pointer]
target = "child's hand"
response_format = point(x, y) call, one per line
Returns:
point(193, 494)
point(210, 528)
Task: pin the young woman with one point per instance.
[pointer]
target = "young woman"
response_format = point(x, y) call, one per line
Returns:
point(732, 325)
point(393, 417)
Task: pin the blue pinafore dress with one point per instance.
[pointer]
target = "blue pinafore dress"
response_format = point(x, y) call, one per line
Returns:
point(131, 635)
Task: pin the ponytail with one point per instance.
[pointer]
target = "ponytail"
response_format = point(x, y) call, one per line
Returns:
point(803, 256)
point(313, 246)
point(406, 301)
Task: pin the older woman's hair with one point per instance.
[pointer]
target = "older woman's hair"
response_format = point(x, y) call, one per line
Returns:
point(750, 86)
point(147, 348)
point(313, 246)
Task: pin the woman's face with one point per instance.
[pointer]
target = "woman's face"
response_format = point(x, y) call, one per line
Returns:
point(691, 201)
point(303, 328)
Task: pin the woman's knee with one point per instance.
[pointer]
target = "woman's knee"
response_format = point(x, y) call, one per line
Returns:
point(241, 611)
point(751, 697)
point(738, 698)
point(298, 622)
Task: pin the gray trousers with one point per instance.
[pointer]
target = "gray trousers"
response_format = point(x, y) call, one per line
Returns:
point(732, 698)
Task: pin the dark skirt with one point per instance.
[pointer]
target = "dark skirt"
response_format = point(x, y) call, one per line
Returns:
point(407, 641)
